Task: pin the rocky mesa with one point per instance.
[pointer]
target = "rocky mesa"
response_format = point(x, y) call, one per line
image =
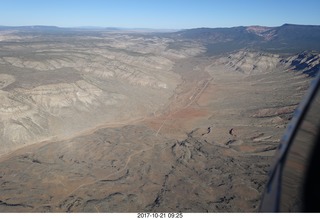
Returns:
point(103, 121)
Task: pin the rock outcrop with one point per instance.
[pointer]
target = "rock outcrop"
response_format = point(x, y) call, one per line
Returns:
point(128, 122)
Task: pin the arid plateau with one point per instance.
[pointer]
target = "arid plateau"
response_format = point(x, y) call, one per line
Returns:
point(126, 121)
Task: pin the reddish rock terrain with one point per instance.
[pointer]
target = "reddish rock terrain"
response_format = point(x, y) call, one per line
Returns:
point(118, 123)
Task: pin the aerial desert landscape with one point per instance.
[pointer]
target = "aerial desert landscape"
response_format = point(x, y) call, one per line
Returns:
point(142, 121)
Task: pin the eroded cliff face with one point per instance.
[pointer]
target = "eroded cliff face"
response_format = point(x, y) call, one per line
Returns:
point(58, 88)
point(248, 62)
point(124, 122)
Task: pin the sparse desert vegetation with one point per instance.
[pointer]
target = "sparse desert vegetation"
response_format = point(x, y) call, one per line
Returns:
point(120, 121)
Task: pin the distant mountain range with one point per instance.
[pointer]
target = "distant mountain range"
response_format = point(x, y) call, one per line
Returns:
point(288, 38)
point(81, 28)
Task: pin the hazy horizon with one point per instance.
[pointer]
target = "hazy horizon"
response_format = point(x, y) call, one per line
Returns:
point(165, 14)
point(119, 28)
point(135, 118)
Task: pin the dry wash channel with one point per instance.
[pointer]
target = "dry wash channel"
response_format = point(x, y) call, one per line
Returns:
point(121, 122)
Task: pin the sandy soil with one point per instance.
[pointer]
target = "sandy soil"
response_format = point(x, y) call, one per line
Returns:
point(203, 144)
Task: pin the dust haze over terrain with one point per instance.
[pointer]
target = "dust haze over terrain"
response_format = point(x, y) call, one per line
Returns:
point(126, 121)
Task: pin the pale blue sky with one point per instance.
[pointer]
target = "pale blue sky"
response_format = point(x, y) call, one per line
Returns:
point(171, 14)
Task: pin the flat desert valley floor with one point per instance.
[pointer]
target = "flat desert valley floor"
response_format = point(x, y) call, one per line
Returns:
point(132, 122)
